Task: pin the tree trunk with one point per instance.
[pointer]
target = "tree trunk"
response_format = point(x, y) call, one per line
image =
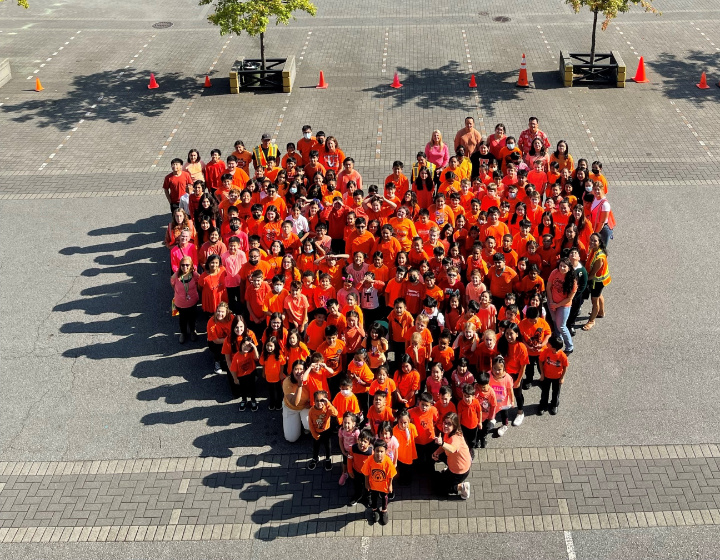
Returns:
point(592, 45)
point(262, 47)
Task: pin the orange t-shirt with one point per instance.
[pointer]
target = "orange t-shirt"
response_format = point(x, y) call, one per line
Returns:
point(273, 367)
point(517, 356)
point(315, 335)
point(243, 364)
point(407, 385)
point(444, 357)
point(553, 362)
point(534, 333)
point(470, 414)
point(407, 452)
point(425, 424)
point(363, 372)
point(333, 355)
point(299, 352)
point(376, 418)
point(346, 404)
point(400, 325)
point(379, 475)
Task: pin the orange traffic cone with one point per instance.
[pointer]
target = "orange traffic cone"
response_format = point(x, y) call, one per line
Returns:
point(153, 83)
point(473, 83)
point(522, 79)
point(322, 84)
point(396, 82)
point(38, 85)
point(207, 82)
point(703, 82)
point(640, 77)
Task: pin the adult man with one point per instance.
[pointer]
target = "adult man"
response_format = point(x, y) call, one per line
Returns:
point(265, 150)
point(530, 133)
point(176, 184)
point(468, 137)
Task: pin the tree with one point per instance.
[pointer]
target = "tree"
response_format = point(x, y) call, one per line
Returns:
point(23, 3)
point(610, 9)
point(253, 16)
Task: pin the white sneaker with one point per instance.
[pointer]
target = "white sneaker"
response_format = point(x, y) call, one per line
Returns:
point(501, 431)
point(465, 490)
point(519, 418)
point(217, 368)
point(493, 423)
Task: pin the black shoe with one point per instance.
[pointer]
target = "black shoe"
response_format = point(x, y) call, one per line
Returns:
point(372, 516)
point(572, 330)
point(312, 464)
point(476, 445)
point(568, 352)
point(328, 464)
point(354, 502)
point(541, 411)
point(526, 385)
point(253, 406)
point(243, 404)
point(483, 444)
point(553, 410)
point(391, 496)
point(384, 518)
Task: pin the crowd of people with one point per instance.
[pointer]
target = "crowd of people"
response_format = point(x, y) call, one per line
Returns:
point(402, 322)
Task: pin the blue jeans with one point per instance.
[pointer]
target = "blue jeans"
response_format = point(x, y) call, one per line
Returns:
point(606, 234)
point(560, 317)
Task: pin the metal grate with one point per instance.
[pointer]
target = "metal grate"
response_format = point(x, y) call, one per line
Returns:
point(501, 19)
point(162, 24)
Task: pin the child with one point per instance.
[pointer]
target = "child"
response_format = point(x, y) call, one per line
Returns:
point(377, 346)
point(379, 471)
point(346, 401)
point(370, 290)
point(470, 413)
point(425, 416)
point(296, 350)
point(444, 405)
point(486, 314)
point(257, 293)
point(407, 380)
point(435, 381)
point(553, 367)
point(383, 382)
point(319, 419)
point(488, 404)
point(385, 433)
point(315, 332)
point(443, 352)
point(358, 456)
point(347, 437)
point(332, 350)
point(418, 353)
point(242, 370)
point(379, 412)
point(296, 308)
point(405, 432)
point(400, 322)
point(461, 377)
point(361, 376)
point(502, 385)
point(273, 360)
point(218, 329)
point(335, 317)
point(354, 335)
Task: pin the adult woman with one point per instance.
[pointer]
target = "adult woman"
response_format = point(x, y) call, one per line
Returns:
point(239, 334)
point(403, 228)
point(331, 156)
point(560, 289)
point(563, 157)
point(195, 166)
point(296, 402)
point(496, 141)
point(454, 452)
point(581, 185)
point(437, 152)
point(571, 240)
point(598, 277)
point(185, 286)
point(538, 152)
point(182, 249)
point(180, 222)
point(424, 187)
point(601, 215)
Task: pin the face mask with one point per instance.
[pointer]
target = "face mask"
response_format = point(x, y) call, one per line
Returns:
point(293, 190)
point(234, 227)
point(308, 251)
point(307, 135)
point(513, 195)
point(588, 189)
point(511, 146)
point(346, 392)
point(277, 289)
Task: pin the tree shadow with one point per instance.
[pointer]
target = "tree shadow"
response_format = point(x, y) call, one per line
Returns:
point(304, 502)
point(446, 87)
point(111, 95)
point(681, 73)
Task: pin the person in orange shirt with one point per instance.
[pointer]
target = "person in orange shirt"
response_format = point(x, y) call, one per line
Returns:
point(218, 329)
point(256, 294)
point(307, 143)
point(405, 432)
point(361, 239)
point(320, 418)
point(379, 472)
point(403, 228)
point(243, 157)
point(470, 413)
point(443, 353)
point(359, 454)
point(440, 213)
point(291, 153)
point(423, 225)
point(240, 177)
point(379, 412)
point(315, 332)
point(535, 332)
point(400, 321)
point(345, 400)
point(398, 178)
point(272, 359)
point(314, 167)
point(521, 239)
point(449, 185)
point(332, 351)
point(242, 368)
point(553, 363)
point(425, 417)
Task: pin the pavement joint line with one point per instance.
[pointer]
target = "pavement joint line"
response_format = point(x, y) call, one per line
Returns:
point(50, 57)
point(690, 127)
point(628, 42)
point(705, 36)
point(381, 104)
point(474, 92)
point(88, 114)
point(276, 133)
point(569, 545)
point(590, 136)
point(545, 41)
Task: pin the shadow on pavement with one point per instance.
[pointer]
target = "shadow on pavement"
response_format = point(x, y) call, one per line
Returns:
point(106, 96)
point(447, 87)
point(681, 73)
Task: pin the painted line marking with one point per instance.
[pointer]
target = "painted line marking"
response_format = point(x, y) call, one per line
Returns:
point(570, 546)
point(474, 92)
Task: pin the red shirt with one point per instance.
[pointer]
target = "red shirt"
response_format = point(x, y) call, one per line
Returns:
point(176, 185)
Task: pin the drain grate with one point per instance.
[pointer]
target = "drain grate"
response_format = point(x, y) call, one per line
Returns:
point(162, 24)
point(484, 14)
point(501, 19)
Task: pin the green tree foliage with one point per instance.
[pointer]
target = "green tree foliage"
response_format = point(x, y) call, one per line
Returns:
point(253, 16)
point(23, 3)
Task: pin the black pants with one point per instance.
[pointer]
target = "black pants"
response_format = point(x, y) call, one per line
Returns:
point(574, 310)
point(174, 206)
point(483, 430)
point(503, 415)
point(545, 386)
point(446, 482)
point(234, 300)
point(257, 329)
point(187, 317)
point(378, 500)
point(324, 440)
point(363, 401)
point(216, 351)
point(424, 453)
point(470, 435)
point(404, 476)
point(519, 398)
point(359, 490)
point(372, 315)
point(530, 368)
point(247, 386)
point(337, 246)
point(276, 394)
point(398, 349)
point(498, 302)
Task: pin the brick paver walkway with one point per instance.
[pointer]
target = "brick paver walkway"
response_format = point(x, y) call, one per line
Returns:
point(268, 496)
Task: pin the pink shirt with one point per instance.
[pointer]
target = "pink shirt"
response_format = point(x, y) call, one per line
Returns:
point(438, 156)
point(182, 298)
point(233, 264)
point(343, 177)
point(348, 439)
point(503, 389)
point(555, 282)
point(177, 254)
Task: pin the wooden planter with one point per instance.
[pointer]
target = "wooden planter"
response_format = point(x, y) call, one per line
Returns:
point(279, 75)
point(576, 69)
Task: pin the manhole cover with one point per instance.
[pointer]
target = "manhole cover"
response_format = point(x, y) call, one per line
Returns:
point(484, 14)
point(501, 19)
point(162, 24)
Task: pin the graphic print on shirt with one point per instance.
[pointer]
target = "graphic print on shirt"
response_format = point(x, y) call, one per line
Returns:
point(378, 475)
